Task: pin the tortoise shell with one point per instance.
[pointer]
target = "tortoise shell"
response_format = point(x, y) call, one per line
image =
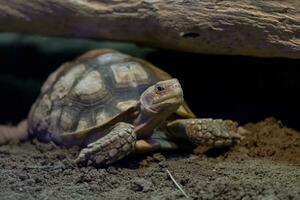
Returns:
point(90, 92)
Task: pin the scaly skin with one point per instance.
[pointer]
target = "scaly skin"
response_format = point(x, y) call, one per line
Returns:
point(117, 144)
point(207, 132)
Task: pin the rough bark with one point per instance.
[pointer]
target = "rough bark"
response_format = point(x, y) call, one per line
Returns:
point(245, 27)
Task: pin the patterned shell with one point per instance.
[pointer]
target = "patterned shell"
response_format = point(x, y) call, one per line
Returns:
point(90, 91)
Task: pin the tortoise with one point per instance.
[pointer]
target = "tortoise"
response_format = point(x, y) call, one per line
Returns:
point(112, 104)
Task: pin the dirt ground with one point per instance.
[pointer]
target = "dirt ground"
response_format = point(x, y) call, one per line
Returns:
point(265, 165)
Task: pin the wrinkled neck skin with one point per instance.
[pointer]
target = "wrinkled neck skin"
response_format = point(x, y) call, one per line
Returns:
point(147, 121)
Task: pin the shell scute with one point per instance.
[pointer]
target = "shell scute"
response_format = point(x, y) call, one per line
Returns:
point(129, 74)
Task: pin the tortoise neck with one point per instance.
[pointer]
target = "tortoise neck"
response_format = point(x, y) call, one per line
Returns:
point(146, 121)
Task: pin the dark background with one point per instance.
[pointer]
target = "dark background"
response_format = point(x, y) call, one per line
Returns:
point(245, 89)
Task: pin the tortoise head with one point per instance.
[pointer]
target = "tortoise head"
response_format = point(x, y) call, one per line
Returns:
point(157, 103)
point(163, 98)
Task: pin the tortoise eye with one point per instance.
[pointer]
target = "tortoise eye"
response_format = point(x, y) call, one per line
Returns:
point(160, 88)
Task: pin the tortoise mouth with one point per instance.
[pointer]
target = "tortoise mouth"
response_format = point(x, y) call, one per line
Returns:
point(167, 104)
point(164, 103)
point(169, 99)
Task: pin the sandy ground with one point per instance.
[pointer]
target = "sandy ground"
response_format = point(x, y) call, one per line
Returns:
point(265, 165)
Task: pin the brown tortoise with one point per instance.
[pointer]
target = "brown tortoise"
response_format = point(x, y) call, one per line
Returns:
point(111, 104)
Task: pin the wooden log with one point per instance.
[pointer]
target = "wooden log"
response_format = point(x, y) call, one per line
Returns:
point(235, 27)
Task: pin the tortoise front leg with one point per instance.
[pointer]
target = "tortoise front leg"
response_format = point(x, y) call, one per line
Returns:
point(117, 144)
point(206, 132)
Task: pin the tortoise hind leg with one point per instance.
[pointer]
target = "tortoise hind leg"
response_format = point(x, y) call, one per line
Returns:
point(206, 132)
point(115, 145)
point(158, 141)
point(13, 133)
